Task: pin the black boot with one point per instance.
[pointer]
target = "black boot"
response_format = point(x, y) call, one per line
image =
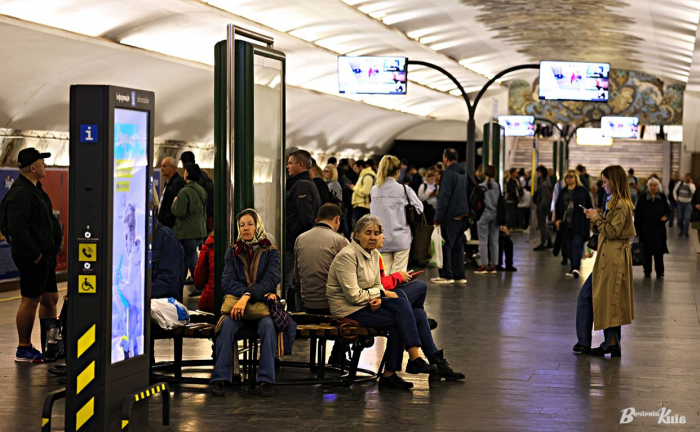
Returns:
point(420, 366)
point(394, 382)
point(443, 369)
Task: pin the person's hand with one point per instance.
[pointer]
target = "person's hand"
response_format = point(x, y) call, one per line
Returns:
point(175, 199)
point(505, 229)
point(697, 206)
point(351, 186)
point(271, 296)
point(375, 304)
point(405, 277)
point(664, 219)
point(590, 213)
point(557, 223)
point(39, 259)
point(239, 307)
point(391, 294)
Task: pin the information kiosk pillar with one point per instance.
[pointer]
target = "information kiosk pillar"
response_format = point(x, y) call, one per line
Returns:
point(109, 246)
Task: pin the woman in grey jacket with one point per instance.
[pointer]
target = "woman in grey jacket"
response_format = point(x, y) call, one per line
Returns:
point(355, 291)
point(487, 225)
point(388, 202)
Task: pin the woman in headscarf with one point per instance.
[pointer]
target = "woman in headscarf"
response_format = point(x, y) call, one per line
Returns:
point(251, 273)
point(650, 218)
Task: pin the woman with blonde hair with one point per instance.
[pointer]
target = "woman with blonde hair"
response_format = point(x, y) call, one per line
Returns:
point(607, 296)
point(330, 175)
point(571, 223)
point(388, 202)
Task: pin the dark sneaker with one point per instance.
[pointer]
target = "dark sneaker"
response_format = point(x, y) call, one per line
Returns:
point(420, 366)
point(482, 270)
point(540, 248)
point(28, 355)
point(266, 389)
point(443, 369)
point(493, 269)
point(578, 348)
point(576, 273)
point(659, 276)
point(394, 382)
point(219, 389)
point(511, 269)
point(433, 324)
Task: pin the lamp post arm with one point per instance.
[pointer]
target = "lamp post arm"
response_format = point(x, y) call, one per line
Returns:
point(499, 75)
point(448, 75)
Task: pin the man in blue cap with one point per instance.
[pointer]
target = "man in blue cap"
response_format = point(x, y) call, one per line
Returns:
point(28, 223)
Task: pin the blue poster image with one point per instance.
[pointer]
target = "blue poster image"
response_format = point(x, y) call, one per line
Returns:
point(129, 233)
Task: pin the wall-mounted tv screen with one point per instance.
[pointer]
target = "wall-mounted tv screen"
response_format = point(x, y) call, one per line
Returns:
point(372, 75)
point(518, 125)
point(620, 127)
point(576, 81)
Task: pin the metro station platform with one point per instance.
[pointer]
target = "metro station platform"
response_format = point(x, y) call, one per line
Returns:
point(511, 334)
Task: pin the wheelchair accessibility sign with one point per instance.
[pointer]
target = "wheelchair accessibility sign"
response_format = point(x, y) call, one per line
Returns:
point(87, 284)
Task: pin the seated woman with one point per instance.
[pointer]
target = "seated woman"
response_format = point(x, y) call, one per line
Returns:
point(355, 291)
point(204, 275)
point(416, 292)
point(252, 251)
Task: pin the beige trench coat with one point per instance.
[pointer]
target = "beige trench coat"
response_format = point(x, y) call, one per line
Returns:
point(613, 290)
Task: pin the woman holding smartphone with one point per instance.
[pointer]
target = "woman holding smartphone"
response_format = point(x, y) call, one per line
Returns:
point(607, 296)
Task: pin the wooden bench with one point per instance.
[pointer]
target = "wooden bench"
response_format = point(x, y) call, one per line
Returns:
point(318, 329)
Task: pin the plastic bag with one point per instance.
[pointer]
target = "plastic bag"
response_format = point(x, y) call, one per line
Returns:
point(436, 242)
point(169, 313)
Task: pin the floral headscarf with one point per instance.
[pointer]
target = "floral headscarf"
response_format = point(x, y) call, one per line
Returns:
point(259, 238)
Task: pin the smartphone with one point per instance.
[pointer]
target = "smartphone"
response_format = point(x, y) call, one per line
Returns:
point(412, 273)
point(582, 207)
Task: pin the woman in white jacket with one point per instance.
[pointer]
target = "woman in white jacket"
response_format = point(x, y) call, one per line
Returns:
point(683, 193)
point(388, 202)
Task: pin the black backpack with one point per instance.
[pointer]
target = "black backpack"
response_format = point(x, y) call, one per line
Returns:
point(208, 184)
point(337, 201)
point(477, 203)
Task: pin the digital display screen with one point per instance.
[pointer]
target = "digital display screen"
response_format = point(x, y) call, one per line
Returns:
point(518, 125)
point(372, 75)
point(574, 81)
point(620, 127)
point(129, 240)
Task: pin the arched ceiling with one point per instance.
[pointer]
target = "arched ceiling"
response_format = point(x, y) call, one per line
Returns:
point(167, 46)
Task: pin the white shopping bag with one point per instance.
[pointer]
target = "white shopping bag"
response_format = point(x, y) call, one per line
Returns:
point(436, 248)
point(169, 313)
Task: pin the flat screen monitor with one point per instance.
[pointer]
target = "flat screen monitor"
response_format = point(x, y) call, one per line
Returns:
point(372, 75)
point(518, 125)
point(129, 240)
point(575, 81)
point(620, 127)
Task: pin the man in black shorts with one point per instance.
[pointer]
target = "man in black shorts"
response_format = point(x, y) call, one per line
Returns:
point(35, 235)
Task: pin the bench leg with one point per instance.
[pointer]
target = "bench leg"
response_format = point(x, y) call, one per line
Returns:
point(236, 360)
point(352, 370)
point(253, 362)
point(322, 358)
point(312, 354)
point(178, 357)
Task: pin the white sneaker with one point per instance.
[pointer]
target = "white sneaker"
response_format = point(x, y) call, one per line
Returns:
point(569, 274)
point(439, 280)
point(461, 281)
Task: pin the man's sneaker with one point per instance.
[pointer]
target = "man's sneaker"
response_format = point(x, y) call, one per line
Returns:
point(28, 355)
point(443, 369)
point(460, 281)
point(481, 270)
point(439, 280)
point(577, 274)
point(569, 274)
point(493, 269)
point(420, 366)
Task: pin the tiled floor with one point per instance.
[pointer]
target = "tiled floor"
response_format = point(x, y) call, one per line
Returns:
point(511, 334)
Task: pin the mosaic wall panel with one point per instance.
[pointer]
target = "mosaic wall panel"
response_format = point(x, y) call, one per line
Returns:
point(632, 94)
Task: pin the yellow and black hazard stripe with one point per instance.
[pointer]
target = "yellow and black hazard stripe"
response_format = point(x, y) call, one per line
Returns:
point(85, 377)
point(140, 396)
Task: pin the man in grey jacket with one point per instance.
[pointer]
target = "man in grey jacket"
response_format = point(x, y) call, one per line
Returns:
point(543, 199)
point(451, 216)
point(314, 252)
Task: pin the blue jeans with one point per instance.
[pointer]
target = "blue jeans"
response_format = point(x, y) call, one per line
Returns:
point(576, 251)
point(191, 255)
point(231, 331)
point(684, 210)
point(584, 313)
point(416, 292)
point(673, 205)
point(488, 239)
point(612, 334)
point(397, 316)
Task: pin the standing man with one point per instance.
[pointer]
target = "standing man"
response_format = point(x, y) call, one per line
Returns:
point(683, 193)
point(514, 194)
point(205, 182)
point(452, 217)
point(303, 203)
point(27, 221)
point(673, 204)
point(543, 200)
point(313, 254)
point(172, 186)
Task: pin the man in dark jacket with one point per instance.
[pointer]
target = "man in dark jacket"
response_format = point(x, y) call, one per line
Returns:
point(168, 266)
point(35, 235)
point(303, 202)
point(172, 186)
point(543, 200)
point(451, 216)
point(514, 194)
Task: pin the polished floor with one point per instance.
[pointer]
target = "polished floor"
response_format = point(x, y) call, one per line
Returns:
point(511, 334)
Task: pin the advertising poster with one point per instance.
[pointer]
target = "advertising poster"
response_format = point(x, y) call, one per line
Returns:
point(129, 239)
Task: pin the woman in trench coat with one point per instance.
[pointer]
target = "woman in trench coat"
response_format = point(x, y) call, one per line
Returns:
point(607, 297)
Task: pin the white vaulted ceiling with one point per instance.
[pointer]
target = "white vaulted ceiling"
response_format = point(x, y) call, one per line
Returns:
point(167, 46)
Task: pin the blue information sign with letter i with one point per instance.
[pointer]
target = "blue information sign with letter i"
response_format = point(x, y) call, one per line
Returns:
point(88, 133)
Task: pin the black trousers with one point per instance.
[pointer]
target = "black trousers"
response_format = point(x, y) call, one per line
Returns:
point(512, 214)
point(658, 262)
point(505, 247)
point(453, 250)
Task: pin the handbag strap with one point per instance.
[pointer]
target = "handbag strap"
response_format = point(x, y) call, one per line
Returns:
point(406, 192)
